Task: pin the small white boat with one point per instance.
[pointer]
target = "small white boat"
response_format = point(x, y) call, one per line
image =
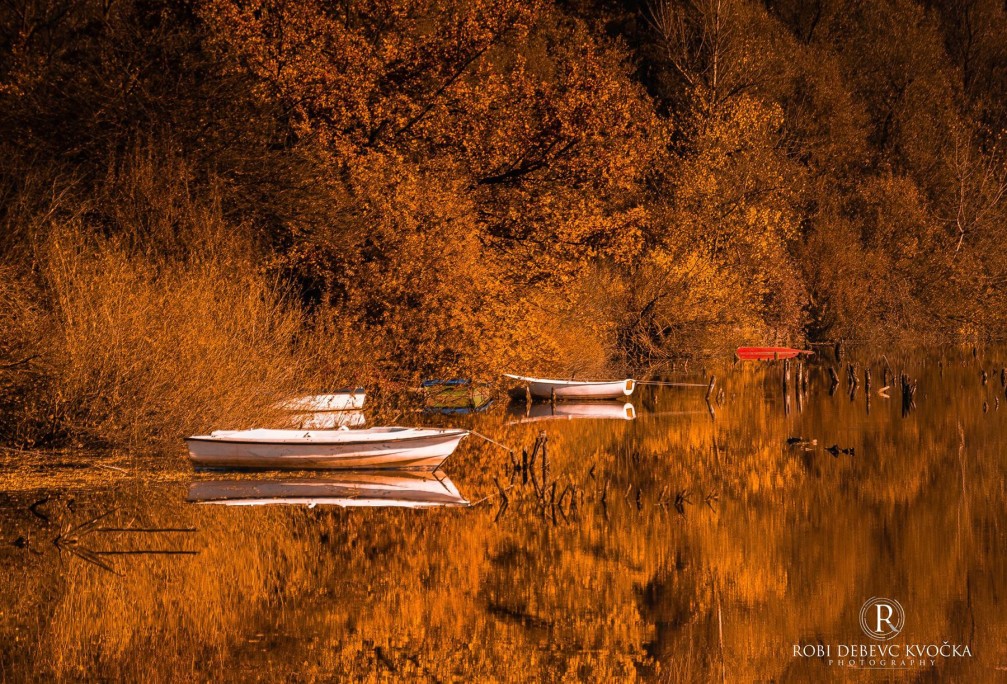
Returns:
point(380, 447)
point(345, 400)
point(543, 388)
point(598, 410)
point(327, 420)
point(400, 489)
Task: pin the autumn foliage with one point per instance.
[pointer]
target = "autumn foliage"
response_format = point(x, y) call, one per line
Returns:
point(467, 187)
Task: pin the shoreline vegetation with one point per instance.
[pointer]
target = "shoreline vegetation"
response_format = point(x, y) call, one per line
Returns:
point(209, 206)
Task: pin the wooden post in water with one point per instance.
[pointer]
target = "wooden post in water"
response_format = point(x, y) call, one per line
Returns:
point(867, 388)
point(908, 394)
point(552, 396)
point(851, 375)
point(853, 379)
point(709, 390)
point(834, 378)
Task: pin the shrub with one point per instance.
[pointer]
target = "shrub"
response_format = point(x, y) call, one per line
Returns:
point(138, 348)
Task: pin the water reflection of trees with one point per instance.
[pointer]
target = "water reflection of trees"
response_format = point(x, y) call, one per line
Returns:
point(786, 553)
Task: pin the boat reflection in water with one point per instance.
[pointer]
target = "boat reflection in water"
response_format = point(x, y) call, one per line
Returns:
point(570, 411)
point(406, 489)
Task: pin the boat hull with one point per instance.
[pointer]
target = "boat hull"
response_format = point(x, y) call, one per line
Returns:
point(563, 390)
point(421, 453)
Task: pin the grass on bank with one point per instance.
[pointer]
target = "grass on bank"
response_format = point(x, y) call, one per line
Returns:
point(120, 347)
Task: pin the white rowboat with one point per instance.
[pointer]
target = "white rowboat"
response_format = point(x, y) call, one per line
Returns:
point(543, 388)
point(400, 489)
point(346, 400)
point(381, 447)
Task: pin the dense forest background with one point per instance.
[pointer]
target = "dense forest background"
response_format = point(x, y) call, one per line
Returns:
point(205, 204)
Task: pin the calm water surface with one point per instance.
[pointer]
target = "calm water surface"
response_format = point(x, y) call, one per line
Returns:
point(683, 545)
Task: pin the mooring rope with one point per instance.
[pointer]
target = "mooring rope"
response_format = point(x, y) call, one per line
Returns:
point(658, 383)
point(491, 441)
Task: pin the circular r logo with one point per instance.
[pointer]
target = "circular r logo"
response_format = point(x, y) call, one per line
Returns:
point(882, 618)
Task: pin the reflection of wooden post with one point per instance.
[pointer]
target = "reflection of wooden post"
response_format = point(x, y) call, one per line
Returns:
point(545, 460)
point(552, 396)
point(786, 386)
point(797, 388)
point(527, 394)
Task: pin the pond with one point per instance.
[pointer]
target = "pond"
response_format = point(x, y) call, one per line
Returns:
point(740, 540)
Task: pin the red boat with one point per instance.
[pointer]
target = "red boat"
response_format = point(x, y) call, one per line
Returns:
point(769, 353)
